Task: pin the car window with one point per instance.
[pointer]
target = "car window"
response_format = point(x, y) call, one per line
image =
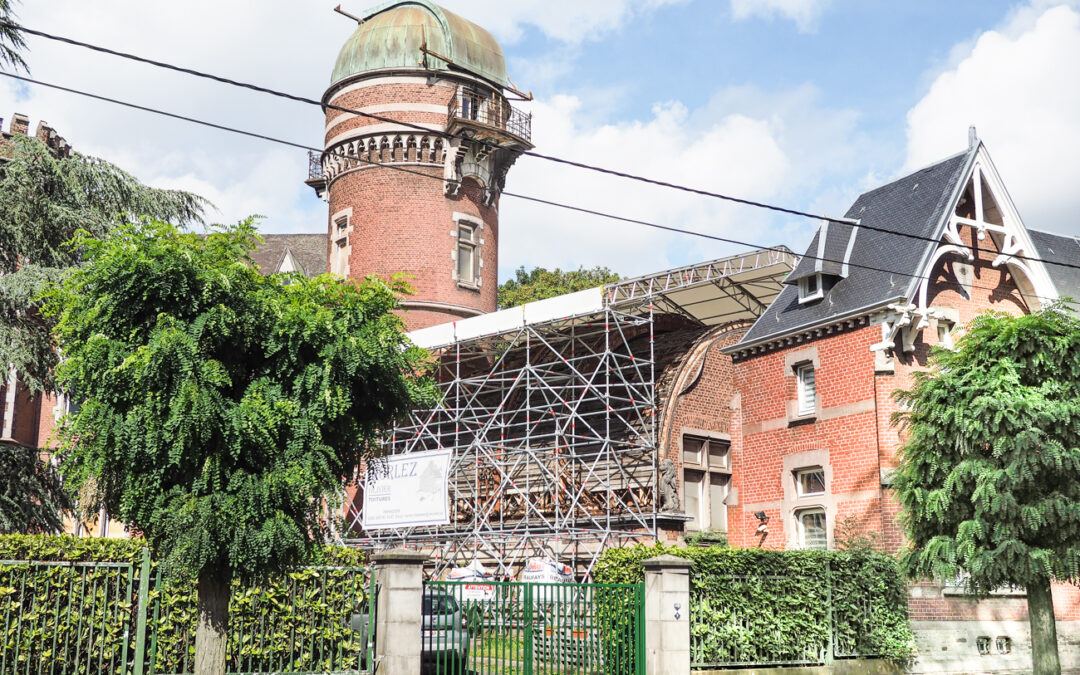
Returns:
point(439, 604)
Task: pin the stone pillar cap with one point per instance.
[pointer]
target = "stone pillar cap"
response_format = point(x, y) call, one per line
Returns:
point(399, 556)
point(667, 562)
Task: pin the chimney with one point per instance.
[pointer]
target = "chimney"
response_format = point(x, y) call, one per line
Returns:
point(20, 123)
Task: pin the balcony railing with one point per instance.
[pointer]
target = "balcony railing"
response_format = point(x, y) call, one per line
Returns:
point(314, 171)
point(492, 112)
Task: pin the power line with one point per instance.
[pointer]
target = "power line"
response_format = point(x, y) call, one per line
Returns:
point(417, 127)
point(444, 134)
point(537, 200)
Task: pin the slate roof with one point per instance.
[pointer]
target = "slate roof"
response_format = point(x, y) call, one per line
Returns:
point(1060, 248)
point(883, 267)
point(308, 250)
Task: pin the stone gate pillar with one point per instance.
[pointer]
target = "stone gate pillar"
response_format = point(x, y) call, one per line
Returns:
point(667, 615)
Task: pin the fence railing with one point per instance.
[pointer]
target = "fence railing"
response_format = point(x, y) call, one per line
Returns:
point(777, 620)
point(534, 628)
point(63, 618)
point(494, 112)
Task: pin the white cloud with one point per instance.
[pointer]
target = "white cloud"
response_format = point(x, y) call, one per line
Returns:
point(747, 143)
point(805, 13)
point(1020, 87)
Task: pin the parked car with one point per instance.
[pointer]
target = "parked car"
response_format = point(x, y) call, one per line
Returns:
point(444, 638)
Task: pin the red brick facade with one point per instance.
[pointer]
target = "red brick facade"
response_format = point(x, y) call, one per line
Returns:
point(407, 222)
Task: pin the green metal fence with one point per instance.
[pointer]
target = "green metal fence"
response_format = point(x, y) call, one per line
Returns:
point(777, 620)
point(533, 628)
point(64, 618)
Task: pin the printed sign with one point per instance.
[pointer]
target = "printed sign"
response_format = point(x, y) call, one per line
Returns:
point(478, 592)
point(408, 490)
point(546, 570)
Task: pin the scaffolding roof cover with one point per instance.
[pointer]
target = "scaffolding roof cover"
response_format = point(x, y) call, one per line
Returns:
point(710, 293)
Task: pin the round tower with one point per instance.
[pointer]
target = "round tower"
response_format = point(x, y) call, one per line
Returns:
point(423, 202)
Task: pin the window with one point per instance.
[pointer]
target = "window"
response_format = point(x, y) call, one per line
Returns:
point(810, 288)
point(809, 482)
point(706, 482)
point(806, 390)
point(811, 527)
point(466, 253)
point(339, 254)
point(945, 333)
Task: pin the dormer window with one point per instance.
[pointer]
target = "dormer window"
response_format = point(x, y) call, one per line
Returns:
point(811, 288)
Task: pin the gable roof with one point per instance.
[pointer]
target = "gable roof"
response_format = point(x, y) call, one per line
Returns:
point(882, 267)
point(1060, 248)
point(308, 251)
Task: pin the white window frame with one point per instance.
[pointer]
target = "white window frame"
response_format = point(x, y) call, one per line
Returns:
point(805, 294)
point(798, 475)
point(800, 527)
point(472, 225)
point(804, 408)
point(340, 251)
point(707, 471)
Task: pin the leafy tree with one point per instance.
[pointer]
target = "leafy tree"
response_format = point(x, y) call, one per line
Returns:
point(540, 283)
point(221, 408)
point(990, 472)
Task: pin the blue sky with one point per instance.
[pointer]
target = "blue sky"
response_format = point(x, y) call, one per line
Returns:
point(803, 103)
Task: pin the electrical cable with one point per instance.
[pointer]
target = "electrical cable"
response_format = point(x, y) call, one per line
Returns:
point(537, 200)
point(415, 127)
point(529, 153)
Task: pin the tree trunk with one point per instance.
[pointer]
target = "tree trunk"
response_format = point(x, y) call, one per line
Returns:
point(211, 634)
point(1044, 649)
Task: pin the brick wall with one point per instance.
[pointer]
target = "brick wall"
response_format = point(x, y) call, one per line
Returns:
point(403, 222)
point(852, 433)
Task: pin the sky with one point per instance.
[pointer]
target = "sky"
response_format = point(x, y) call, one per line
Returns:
point(800, 103)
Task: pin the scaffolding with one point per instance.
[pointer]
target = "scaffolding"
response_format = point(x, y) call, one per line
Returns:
point(550, 410)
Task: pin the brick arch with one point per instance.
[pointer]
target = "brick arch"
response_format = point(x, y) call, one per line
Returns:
point(684, 386)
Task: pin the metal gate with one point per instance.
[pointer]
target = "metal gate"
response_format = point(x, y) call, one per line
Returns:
point(514, 628)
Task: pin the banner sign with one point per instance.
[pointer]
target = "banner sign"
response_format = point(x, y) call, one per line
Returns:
point(408, 490)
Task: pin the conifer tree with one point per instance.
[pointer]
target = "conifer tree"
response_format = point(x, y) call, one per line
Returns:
point(221, 409)
point(990, 471)
point(44, 200)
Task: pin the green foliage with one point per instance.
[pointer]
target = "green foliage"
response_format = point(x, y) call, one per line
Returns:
point(221, 408)
point(44, 201)
point(852, 535)
point(295, 621)
point(540, 283)
point(31, 496)
point(990, 472)
point(751, 606)
point(11, 39)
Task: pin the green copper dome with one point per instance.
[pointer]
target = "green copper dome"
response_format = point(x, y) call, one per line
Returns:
point(392, 33)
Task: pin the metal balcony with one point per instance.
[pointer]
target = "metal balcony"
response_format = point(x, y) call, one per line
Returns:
point(494, 116)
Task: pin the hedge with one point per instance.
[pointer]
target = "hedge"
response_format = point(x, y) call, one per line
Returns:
point(81, 618)
point(752, 606)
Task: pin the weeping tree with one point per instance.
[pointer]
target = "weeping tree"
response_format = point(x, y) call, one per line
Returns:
point(222, 408)
point(990, 472)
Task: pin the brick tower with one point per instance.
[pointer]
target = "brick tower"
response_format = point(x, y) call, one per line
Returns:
point(437, 221)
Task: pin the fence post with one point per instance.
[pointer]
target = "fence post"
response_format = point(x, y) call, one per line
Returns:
point(140, 612)
point(831, 622)
point(667, 615)
point(398, 615)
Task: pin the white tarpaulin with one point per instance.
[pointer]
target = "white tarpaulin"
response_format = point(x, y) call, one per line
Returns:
point(408, 490)
point(547, 571)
